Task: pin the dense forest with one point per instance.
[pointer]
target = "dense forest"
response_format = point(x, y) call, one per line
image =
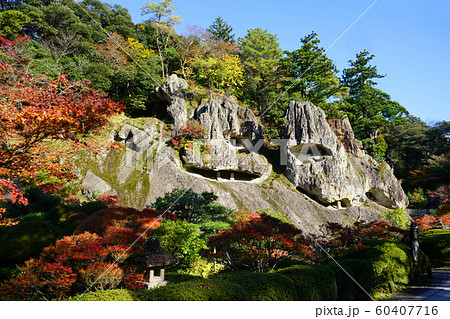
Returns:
point(67, 66)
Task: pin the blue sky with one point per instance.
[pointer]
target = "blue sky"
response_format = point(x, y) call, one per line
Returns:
point(409, 38)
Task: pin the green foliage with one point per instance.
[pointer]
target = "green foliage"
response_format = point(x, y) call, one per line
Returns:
point(312, 282)
point(435, 243)
point(362, 271)
point(370, 110)
point(312, 76)
point(182, 239)
point(106, 295)
point(262, 286)
point(392, 264)
point(346, 288)
point(26, 239)
point(220, 30)
point(417, 198)
point(260, 54)
point(197, 290)
point(397, 218)
point(188, 205)
point(11, 23)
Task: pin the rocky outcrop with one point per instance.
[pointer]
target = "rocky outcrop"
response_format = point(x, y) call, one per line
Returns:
point(318, 164)
point(223, 118)
point(230, 132)
point(168, 99)
point(344, 132)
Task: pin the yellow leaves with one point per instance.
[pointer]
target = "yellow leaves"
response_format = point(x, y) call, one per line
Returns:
point(139, 48)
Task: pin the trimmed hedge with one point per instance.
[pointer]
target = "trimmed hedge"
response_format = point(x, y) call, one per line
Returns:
point(392, 263)
point(435, 243)
point(312, 282)
point(196, 290)
point(362, 272)
point(263, 286)
point(346, 288)
point(107, 295)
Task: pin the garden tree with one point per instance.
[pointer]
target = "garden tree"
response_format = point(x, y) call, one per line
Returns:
point(188, 205)
point(260, 54)
point(258, 244)
point(311, 74)
point(162, 15)
point(220, 73)
point(220, 31)
point(370, 110)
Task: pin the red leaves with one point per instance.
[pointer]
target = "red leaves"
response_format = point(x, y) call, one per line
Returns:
point(34, 111)
point(187, 134)
point(259, 243)
point(110, 200)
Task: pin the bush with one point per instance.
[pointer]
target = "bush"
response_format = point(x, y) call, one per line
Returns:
point(25, 240)
point(397, 218)
point(362, 272)
point(262, 286)
point(312, 282)
point(392, 263)
point(435, 243)
point(196, 290)
point(106, 295)
point(346, 288)
point(181, 239)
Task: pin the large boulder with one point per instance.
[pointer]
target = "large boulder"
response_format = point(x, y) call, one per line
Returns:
point(318, 164)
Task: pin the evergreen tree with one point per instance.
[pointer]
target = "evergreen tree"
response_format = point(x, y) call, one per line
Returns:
point(370, 110)
point(260, 52)
point(311, 74)
point(220, 30)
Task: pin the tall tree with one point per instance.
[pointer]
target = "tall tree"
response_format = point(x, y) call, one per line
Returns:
point(371, 111)
point(260, 53)
point(220, 30)
point(162, 15)
point(311, 74)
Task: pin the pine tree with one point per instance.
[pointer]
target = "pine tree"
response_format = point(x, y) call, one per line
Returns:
point(220, 30)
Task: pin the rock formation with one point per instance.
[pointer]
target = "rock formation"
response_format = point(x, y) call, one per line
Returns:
point(169, 98)
point(318, 164)
point(230, 132)
point(325, 166)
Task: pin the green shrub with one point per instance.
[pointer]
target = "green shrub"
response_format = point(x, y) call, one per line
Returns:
point(435, 243)
point(346, 287)
point(106, 295)
point(175, 278)
point(397, 218)
point(181, 239)
point(196, 290)
point(312, 282)
point(362, 272)
point(26, 239)
point(263, 286)
point(392, 263)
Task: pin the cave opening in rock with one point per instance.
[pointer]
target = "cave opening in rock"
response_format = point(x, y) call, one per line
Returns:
point(222, 174)
point(311, 149)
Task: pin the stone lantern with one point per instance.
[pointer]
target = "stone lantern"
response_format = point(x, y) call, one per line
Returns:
point(155, 260)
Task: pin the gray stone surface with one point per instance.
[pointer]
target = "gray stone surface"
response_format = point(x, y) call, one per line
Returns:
point(318, 164)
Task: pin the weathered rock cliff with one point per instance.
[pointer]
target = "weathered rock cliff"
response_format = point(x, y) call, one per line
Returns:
point(324, 183)
point(318, 164)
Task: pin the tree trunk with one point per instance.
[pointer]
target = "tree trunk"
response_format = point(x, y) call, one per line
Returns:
point(159, 50)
